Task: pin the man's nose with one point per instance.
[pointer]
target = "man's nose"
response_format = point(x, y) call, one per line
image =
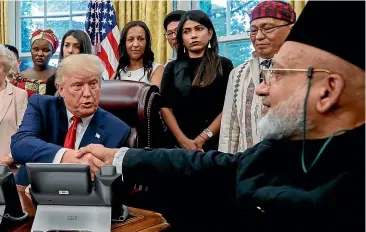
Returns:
point(260, 35)
point(262, 89)
point(86, 91)
point(40, 53)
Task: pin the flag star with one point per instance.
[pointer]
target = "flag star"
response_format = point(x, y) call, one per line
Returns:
point(98, 11)
point(92, 11)
point(105, 11)
point(91, 20)
point(111, 13)
point(96, 20)
point(90, 30)
point(103, 31)
point(104, 21)
point(110, 22)
point(96, 30)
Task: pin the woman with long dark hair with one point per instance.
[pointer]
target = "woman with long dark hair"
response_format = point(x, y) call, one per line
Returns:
point(193, 86)
point(73, 42)
point(136, 60)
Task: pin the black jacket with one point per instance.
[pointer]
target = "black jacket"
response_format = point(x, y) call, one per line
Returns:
point(262, 189)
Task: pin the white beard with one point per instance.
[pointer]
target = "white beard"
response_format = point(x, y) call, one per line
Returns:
point(286, 119)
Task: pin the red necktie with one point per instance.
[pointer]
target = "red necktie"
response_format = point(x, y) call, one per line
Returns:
point(71, 134)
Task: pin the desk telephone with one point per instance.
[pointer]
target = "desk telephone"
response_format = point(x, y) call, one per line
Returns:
point(11, 211)
point(67, 196)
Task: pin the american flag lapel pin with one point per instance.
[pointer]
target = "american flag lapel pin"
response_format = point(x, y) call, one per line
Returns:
point(97, 135)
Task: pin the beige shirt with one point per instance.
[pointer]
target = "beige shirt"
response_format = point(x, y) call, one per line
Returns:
point(12, 107)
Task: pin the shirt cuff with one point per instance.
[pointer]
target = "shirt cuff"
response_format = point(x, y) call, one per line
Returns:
point(118, 159)
point(59, 156)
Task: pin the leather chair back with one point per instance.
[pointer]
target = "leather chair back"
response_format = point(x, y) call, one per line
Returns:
point(138, 105)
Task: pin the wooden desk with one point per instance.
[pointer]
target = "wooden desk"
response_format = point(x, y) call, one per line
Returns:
point(140, 220)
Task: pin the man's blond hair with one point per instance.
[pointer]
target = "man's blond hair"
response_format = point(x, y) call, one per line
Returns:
point(79, 65)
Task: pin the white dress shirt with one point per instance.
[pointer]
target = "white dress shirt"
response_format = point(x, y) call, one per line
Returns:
point(80, 131)
point(118, 159)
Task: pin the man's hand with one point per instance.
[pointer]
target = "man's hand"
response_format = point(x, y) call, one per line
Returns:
point(106, 155)
point(70, 156)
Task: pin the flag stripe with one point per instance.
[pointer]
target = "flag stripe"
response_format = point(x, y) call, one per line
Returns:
point(101, 25)
point(103, 56)
point(111, 57)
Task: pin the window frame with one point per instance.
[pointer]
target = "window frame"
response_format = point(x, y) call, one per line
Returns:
point(16, 7)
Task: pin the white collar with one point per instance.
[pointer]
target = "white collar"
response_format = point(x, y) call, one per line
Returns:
point(85, 120)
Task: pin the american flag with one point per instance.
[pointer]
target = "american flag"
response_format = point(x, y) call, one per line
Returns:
point(101, 25)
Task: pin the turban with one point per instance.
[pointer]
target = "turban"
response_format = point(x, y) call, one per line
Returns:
point(273, 9)
point(48, 35)
point(319, 26)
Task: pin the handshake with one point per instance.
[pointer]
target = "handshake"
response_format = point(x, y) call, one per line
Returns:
point(95, 155)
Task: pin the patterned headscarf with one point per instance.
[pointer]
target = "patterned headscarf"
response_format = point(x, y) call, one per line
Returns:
point(48, 35)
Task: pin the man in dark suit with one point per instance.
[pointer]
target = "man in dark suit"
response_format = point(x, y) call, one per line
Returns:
point(53, 128)
point(309, 172)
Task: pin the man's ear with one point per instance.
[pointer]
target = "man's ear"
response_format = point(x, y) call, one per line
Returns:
point(330, 90)
point(60, 89)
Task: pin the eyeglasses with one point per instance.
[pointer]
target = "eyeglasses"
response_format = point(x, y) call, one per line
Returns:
point(278, 73)
point(170, 34)
point(265, 30)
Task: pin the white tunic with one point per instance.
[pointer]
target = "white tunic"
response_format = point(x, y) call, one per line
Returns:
point(138, 74)
point(242, 109)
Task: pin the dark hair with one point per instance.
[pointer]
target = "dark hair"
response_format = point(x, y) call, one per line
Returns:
point(13, 49)
point(83, 39)
point(173, 16)
point(124, 58)
point(210, 64)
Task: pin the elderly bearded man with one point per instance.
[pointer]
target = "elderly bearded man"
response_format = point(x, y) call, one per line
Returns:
point(309, 172)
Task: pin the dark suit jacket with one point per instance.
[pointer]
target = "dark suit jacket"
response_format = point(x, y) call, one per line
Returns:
point(44, 127)
point(262, 189)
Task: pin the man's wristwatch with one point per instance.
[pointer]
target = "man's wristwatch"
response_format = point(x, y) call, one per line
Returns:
point(208, 133)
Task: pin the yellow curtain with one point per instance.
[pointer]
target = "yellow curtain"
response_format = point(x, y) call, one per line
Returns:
point(3, 22)
point(153, 14)
point(298, 6)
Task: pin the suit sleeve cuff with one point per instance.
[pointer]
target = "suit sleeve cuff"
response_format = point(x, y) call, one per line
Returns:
point(118, 159)
point(59, 156)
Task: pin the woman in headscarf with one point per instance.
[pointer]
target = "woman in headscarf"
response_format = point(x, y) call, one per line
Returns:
point(44, 44)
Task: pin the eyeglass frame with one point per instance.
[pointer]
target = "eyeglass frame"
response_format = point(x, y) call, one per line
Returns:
point(166, 34)
point(266, 31)
point(310, 71)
